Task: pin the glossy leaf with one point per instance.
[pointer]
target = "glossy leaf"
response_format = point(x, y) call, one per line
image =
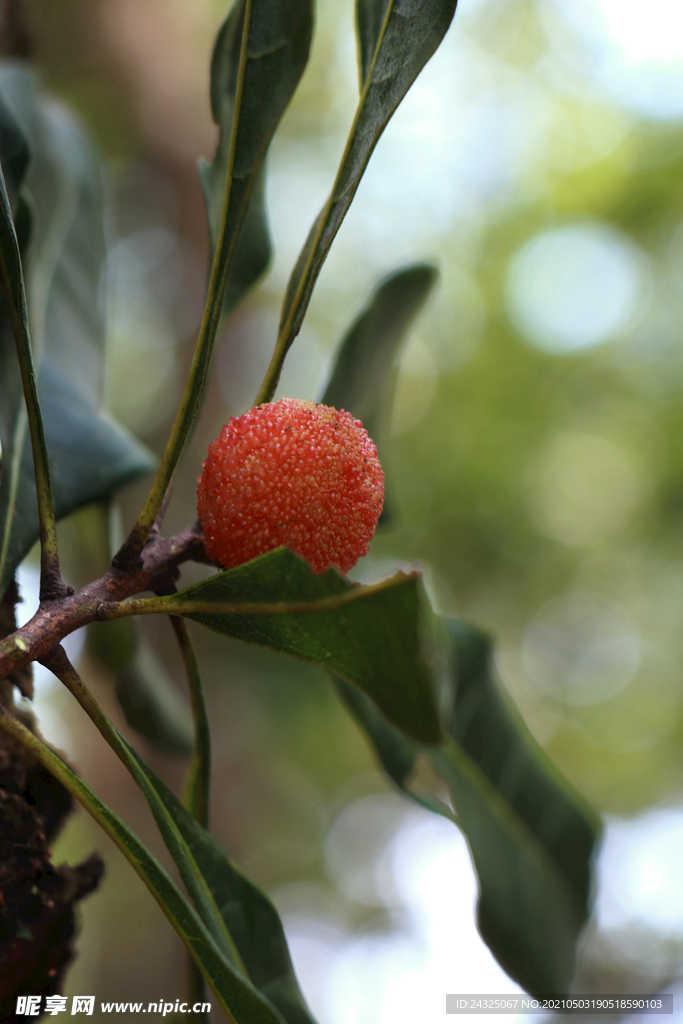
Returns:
point(242, 923)
point(63, 264)
point(370, 15)
point(370, 347)
point(250, 919)
point(375, 637)
point(254, 250)
point(395, 38)
point(249, 94)
point(89, 455)
point(260, 55)
point(239, 999)
point(398, 38)
point(530, 836)
point(15, 157)
point(11, 269)
point(361, 380)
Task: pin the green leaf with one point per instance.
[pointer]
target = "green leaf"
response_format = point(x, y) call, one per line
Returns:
point(51, 583)
point(250, 91)
point(374, 637)
point(242, 923)
point(530, 835)
point(13, 151)
point(250, 919)
point(254, 250)
point(397, 39)
point(370, 15)
point(15, 157)
point(260, 56)
point(242, 1003)
point(151, 703)
point(361, 380)
point(89, 455)
point(63, 191)
point(369, 349)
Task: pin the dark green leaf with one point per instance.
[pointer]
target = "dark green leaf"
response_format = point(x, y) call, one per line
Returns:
point(11, 269)
point(277, 51)
point(90, 457)
point(192, 877)
point(530, 836)
point(398, 38)
point(254, 249)
point(13, 150)
point(249, 917)
point(15, 157)
point(242, 924)
point(237, 996)
point(370, 15)
point(361, 380)
point(151, 703)
point(375, 641)
point(62, 267)
point(370, 347)
point(260, 56)
point(65, 276)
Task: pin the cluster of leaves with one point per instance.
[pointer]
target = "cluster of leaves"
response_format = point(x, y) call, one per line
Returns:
point(419, 687)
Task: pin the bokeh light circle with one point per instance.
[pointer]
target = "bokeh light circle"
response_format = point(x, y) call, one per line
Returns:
point(574, 287)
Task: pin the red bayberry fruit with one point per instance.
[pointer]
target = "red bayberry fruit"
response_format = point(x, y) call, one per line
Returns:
point(295, 473)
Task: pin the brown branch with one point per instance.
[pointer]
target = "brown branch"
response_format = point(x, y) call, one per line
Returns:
point(160, 559)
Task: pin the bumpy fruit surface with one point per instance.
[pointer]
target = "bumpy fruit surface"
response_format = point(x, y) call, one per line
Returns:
point(295, 473)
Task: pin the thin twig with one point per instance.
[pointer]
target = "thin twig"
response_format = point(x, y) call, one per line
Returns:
point(52, 622)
